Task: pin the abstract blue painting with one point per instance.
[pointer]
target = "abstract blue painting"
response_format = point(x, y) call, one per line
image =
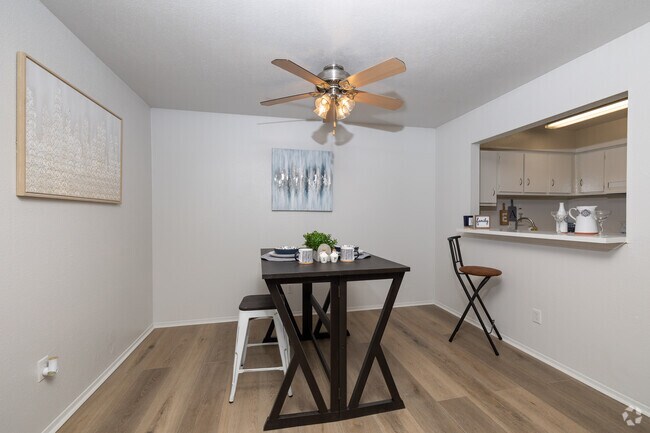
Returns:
point(302, 180)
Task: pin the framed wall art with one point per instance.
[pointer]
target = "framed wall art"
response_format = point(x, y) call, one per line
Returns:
point(69, 146)
point(301, 180)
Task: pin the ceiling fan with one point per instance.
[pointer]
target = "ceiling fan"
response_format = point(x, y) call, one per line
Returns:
point(336, 90)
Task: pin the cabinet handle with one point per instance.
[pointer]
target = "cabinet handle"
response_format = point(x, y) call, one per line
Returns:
point(521, 181)
point(552, 182)
point(494, 192)
point(528, 182)
point(580, 182)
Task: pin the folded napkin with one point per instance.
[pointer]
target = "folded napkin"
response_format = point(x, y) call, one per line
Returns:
point(268, 257)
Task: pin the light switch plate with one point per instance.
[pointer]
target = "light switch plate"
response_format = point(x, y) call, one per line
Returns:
point(537, 316)
point(40, 366)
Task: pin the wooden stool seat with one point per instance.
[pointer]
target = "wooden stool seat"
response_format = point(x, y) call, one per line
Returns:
point(480, 271)
point(256, 302)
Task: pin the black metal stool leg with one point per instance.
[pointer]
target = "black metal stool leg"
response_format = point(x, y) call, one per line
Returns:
point(460, 322)
point(494, 326)
point(471, 299)
point(478, 316)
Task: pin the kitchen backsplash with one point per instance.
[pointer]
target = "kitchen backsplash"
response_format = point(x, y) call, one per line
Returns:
point(539, 210)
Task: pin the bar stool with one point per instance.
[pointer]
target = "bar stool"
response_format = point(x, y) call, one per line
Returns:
point(257, 307)
point(477, 271)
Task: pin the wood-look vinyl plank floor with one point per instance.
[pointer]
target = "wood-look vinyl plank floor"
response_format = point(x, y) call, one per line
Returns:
point(178, 381)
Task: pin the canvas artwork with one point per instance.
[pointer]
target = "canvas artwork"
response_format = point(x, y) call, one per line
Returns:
point(302, 180)
point(69, 146)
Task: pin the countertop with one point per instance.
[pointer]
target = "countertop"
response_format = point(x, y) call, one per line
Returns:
point(617, 239)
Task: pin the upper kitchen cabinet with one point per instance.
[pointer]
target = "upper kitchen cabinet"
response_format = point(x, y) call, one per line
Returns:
point(560, 173)
point(510, 172)
point(583, 153)
point(590, 172)
point(489, 178)
point(616, 169)
point(535, 172)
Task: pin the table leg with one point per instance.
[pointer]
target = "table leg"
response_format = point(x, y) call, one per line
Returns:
point(268, 337)
point(338, 345)
point(375, 352)
point(299, 358)
point(307, 328)
point(319, 323)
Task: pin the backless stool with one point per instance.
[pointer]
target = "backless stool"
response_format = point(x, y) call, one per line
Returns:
point(257, 307)
point(478, 271)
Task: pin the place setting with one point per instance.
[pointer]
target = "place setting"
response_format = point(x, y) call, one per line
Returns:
point(318, 248)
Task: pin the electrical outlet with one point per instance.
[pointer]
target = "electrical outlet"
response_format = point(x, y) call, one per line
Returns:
point(537, 316)
point(40, 366)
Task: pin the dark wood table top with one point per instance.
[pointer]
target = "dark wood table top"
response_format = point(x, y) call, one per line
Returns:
point(288, 270)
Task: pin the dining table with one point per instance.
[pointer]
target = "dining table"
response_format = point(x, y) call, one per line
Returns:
point(338, 275)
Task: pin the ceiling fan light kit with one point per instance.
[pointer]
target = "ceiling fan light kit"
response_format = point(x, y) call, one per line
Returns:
point(336, 90)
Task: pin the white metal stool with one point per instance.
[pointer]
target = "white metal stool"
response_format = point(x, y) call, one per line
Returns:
point(257, 307)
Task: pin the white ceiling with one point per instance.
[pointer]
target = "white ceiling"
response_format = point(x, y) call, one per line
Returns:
point(210, 55)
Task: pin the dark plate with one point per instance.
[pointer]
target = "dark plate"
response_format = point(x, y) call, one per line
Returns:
point(286, 251)
point(338, 249)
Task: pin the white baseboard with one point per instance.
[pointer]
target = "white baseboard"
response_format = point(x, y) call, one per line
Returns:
point(76, 404)
point(645, 409)
point(224, 319)
point(190, 322)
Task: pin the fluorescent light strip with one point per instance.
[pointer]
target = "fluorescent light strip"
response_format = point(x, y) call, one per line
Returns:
point(596, 112)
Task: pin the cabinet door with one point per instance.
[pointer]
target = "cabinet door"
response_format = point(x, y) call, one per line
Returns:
point(536, 173)
point(560, 170)
point(489, 177)
point(616, 169)
point(590, 172)
point(511, 172)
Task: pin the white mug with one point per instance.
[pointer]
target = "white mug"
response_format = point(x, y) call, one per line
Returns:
point(334, 257)
point(305, 256)
point(348, 254)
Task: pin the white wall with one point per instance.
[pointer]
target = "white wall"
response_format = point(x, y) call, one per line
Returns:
point(75, 278)
point(212, 207)
point(595, 304)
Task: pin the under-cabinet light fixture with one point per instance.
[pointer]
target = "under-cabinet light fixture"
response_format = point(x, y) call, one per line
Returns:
point(596, 112)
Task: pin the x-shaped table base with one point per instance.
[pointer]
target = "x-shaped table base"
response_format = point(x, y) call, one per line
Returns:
point(339, 407)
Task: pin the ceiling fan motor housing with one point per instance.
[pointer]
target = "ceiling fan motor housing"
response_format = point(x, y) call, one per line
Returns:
point(333, 74)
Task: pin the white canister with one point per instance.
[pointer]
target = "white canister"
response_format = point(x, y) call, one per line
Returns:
point(334, 257)
point(348, 254)
point(305, 256)
point(323, 257)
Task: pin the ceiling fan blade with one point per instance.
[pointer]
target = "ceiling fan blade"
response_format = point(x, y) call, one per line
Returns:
point(303, 73)
point(288, 98)
point(378, 72)
point(378, 100)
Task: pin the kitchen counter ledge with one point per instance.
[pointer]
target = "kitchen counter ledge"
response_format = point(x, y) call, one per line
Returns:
point(569, 239)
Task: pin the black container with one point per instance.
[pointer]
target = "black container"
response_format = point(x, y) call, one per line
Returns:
point(286, 251)
point(338, 249)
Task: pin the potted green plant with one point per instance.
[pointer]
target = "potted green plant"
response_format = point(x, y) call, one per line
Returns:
point(315, 239)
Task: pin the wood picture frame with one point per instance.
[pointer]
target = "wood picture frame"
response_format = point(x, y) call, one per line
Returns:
point(68, 145)
point(482, 222)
